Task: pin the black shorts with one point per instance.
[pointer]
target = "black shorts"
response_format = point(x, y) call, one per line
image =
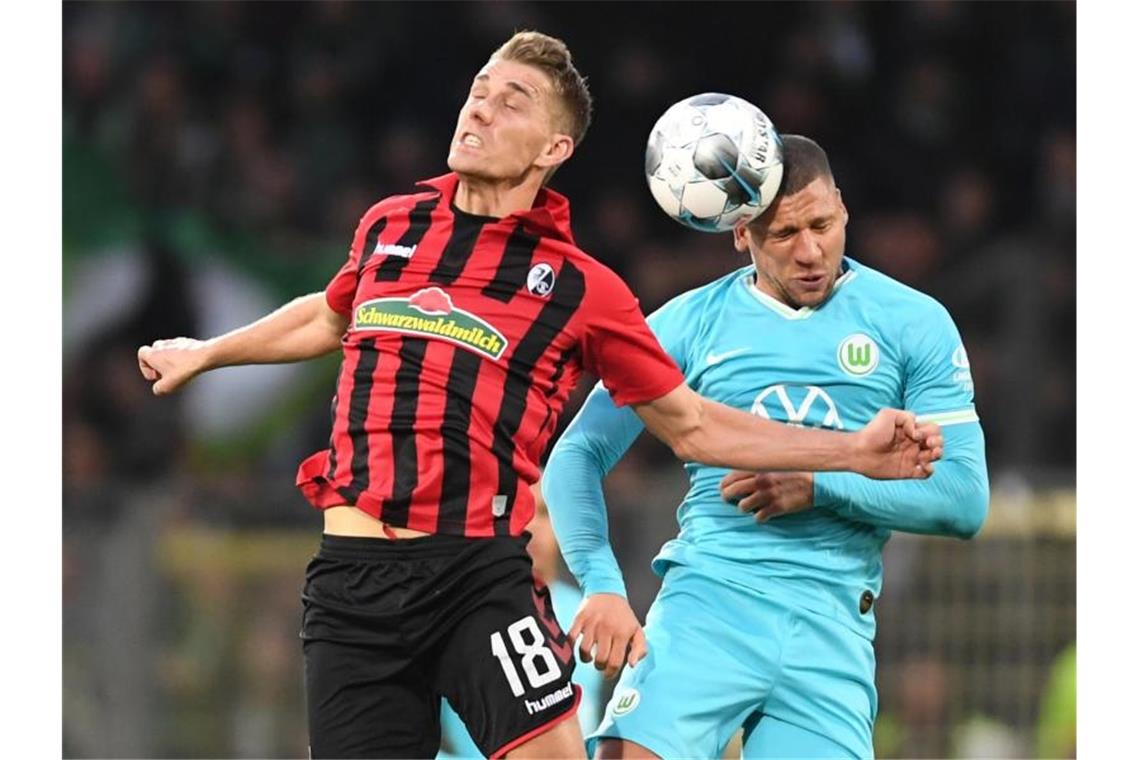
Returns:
point(391, 626)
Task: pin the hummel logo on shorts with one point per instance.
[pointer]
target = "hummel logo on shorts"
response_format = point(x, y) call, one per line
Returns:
point(550, 699)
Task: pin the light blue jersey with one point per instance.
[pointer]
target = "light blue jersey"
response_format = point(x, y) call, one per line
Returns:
point(874, 343)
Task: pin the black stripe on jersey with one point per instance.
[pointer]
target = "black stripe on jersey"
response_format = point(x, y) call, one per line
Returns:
point(332, 436)
point(370, 239)
point(559, 368)
point(357, 413)
point(569, 289)
point(420, 217)
point(403, 429)
point(456, 445)
point(464, 234)
point(513, 267)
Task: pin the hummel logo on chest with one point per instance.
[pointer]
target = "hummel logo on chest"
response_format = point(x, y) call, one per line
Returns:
point(714, 358)
point(391, 249)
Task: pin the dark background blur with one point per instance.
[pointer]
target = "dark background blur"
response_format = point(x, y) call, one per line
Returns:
point(216, 159)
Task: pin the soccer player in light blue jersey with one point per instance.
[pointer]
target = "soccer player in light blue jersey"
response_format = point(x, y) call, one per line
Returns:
point(765, 619)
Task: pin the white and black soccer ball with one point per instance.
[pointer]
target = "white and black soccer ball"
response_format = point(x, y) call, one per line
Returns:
point(714, 160)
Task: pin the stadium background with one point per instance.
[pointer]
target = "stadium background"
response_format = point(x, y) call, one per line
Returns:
point(216, 159)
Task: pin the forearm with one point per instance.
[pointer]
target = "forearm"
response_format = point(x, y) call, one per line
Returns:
point(302, 329)
point(572, 487)
point(721, 436)
point(954, 501)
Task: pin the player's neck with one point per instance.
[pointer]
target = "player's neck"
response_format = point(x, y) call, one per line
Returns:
point(772, 290)
point(497, 198)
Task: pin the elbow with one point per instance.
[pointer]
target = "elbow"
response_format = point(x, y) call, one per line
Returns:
point(972, 513)
point(683, 446)
point(691, 446)
point(687, 437)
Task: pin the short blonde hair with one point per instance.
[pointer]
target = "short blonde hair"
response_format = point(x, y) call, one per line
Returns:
point(551, 56)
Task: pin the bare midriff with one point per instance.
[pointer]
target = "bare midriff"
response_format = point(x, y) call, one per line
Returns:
point(350, 521)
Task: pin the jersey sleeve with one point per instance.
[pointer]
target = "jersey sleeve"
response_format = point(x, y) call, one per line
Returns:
point(618, 345)
point(341, 290)
point(673, 325)
point(596, 439)
point(594, 442)
point(938, 385)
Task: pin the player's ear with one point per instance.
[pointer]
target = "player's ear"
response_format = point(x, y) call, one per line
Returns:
point(842, 205)
point(557, 150)
point(740, 236)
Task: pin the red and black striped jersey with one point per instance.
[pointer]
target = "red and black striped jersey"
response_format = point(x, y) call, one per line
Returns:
point(467, 334)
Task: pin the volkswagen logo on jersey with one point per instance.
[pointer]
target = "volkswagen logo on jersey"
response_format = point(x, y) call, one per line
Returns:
point(798, 405)
point(540, 279)
point(858, 355)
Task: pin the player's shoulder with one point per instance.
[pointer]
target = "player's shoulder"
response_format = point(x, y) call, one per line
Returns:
point(699, 299)
point(891, 297)
point(588, 264)
point(603, 286)
point(402, 202)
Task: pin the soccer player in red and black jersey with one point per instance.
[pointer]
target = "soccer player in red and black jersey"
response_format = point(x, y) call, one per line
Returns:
point(466, 315)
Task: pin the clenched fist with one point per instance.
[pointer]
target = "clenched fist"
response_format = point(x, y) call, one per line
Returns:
point(172, 363)
point(895, 447)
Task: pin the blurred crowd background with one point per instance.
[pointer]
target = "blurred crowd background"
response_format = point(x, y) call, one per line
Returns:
point(216, 159)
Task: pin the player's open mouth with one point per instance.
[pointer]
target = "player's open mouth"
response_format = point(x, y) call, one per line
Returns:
point(469, 140)
point(814, 281)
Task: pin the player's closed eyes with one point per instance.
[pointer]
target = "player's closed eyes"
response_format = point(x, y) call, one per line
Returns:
point(511, 105)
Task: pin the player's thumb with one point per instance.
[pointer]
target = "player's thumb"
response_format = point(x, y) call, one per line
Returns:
point(166, 385)
point(906, 421)
point(575, 628)
point(638, 648)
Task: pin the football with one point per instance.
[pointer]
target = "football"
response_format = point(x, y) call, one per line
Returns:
point(713, 160)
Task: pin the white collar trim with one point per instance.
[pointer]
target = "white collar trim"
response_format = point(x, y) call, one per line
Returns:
point(781, 308)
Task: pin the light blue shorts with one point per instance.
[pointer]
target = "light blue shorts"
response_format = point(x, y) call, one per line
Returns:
point(722, 657)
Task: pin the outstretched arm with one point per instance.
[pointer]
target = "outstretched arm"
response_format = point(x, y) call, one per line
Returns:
point(619, 348)
point(952, 502)
point(593, 443)
point(302, 329)
point(572, 486)
point(704, 431)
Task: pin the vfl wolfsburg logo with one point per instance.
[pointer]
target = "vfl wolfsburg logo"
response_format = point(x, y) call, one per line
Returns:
point(626, 702)
point(858, 355)
point(431, 313)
